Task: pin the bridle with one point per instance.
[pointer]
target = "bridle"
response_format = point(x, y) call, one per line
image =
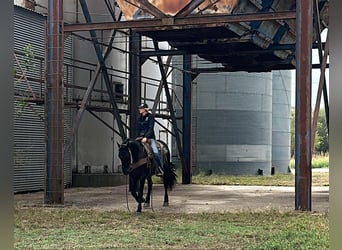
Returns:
point(139, 163)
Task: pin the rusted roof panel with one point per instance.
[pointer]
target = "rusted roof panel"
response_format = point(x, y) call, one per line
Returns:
point(136, 9)
point(254, 46)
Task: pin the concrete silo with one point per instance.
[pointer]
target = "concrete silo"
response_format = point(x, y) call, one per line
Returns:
point(281, 121)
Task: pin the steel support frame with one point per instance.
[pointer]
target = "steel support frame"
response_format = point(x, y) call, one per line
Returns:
point(172, 112)
point(104, 70)
point(320, 89)
point(322, 61)
point(54, 174)
point(85, 99)
point(303, 74)
point(303, 153)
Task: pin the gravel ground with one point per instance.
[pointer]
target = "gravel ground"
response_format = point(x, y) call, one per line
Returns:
point(186, 198)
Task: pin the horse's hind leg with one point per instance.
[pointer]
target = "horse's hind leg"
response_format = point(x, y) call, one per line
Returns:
point(149, 190)
point(166, 198)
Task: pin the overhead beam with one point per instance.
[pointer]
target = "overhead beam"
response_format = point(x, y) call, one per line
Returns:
point(193, 21)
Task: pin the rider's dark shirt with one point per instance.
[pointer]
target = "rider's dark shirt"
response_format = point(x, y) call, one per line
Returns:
point(145, 126)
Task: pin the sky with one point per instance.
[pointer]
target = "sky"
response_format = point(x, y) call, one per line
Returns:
point(315, 78)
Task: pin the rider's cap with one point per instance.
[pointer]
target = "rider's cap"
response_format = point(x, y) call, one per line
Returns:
point(143, 106)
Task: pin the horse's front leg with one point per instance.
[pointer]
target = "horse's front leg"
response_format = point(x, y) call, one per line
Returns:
point(149, 190)
point(166, 198)
point(140, 195)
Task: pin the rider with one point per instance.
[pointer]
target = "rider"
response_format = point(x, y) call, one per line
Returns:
point(145, 127)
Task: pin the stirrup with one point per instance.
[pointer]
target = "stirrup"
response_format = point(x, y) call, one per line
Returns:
point(159, 171)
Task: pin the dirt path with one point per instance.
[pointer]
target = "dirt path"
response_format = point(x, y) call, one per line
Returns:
point(187, 198)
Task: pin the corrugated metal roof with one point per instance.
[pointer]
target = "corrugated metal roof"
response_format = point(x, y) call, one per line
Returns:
point(254, 46)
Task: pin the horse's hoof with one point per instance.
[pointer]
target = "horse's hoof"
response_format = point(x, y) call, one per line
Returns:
point(146, 205)
point(166, 204)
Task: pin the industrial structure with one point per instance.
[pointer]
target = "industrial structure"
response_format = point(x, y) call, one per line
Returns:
point(230, 36)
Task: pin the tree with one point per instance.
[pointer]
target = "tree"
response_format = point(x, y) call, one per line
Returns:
point(321, 138)
point(321, 145)
point(293, 118)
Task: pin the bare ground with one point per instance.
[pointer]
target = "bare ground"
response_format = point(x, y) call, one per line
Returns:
point(186, 198)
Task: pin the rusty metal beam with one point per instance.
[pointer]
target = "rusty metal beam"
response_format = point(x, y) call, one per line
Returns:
point(319, 93)
point(320, 54)
point(193, 21)
point(54, 174)
point(189, 8)
point(303, 154)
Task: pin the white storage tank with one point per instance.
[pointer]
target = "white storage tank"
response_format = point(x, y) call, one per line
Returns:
point(234, 123)
point(281, 121)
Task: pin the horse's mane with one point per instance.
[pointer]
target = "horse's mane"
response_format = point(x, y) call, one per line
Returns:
point(134, 145)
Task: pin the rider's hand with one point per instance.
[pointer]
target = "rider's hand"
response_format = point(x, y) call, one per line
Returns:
point(144, 140)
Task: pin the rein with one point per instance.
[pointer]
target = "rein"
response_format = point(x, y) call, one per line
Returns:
point(138, 163)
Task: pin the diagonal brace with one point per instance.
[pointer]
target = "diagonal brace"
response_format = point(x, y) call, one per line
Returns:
point(104, 70)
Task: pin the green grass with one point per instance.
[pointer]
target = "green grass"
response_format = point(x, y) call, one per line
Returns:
point(318, 179)
point(70, 228)
point(318, 161)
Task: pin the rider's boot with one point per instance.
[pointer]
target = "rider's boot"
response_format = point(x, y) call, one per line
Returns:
point(159, 171)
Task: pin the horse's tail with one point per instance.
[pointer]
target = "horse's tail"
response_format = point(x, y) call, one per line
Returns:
point(170, 176)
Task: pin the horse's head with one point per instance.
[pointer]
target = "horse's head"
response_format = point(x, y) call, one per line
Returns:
point(125, 156)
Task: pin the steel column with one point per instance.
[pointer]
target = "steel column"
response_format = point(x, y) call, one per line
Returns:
point(187, 116)
point(303, 154)
point(54, 175)
point(134, 87)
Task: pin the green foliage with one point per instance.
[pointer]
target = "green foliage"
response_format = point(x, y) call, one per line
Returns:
point(321, 138)
point(321, 144)
point(70, 228)
point(293, 131)
point(318, 161)
point(28, 56)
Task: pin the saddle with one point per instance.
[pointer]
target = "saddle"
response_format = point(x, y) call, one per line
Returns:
point(150, 155)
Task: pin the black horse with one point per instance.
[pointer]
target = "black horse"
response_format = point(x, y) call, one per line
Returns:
point(138, 163)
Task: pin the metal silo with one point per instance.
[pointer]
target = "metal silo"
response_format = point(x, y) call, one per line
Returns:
point(234, 123)
point(281, 121)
